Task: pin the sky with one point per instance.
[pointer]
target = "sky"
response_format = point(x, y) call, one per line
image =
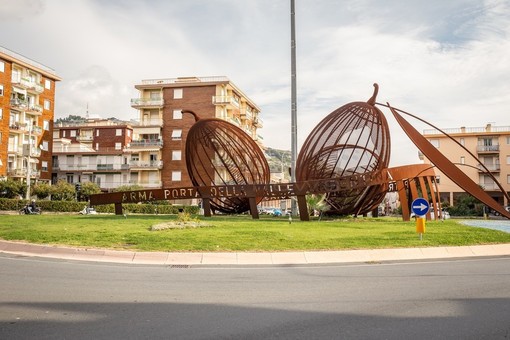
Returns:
point(447, 62)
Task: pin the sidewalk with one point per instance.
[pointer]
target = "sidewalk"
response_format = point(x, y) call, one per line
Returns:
point(252, 258)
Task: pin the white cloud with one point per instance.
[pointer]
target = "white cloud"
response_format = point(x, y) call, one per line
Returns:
point(445, 61)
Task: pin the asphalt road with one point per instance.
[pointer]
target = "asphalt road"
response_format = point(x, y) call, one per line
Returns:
point(454, 299)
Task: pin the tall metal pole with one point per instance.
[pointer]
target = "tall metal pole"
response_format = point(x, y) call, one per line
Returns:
point(293, 101)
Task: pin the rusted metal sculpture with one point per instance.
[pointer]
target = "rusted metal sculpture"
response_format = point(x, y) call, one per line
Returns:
point(354, 139)
point(220, 153)
point(446, 166)
point(413, 181)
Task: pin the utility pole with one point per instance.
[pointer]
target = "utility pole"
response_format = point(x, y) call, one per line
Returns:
point(293, 101)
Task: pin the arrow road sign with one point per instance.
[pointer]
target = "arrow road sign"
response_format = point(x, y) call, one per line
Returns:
point(420, 206)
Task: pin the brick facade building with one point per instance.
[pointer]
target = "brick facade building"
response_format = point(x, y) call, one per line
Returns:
point(161, 133)
point(27, 102)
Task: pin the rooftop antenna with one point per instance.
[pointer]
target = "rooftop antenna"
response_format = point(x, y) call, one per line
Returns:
point(87, 113)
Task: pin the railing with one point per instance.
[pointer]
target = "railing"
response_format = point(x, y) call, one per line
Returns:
point(105, 167)
point(468, 130)
point(30, 85)
point(23, 173)
point(18, 103)
point(146, 164)
point(492, 167)
point(76, 167)
point(487, 148)
point(35, 108)
point(146, 102)
point(258, 122)
point(84, 138)
point(225, 100)
point(36, 130)
point(17, 127)
point(145, 143)
point(489, 186)
point(184, 80)
point(151, 122)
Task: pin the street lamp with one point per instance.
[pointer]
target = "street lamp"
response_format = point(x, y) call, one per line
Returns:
point(29, 152)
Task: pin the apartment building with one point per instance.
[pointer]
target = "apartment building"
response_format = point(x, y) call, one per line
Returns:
point(93, 151)
point(160, 138)
point(27, 101)
point(491, 147)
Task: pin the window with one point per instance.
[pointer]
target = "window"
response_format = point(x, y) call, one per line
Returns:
point(46, 125)
point(44, 166)
point(434, 142)
point(73, 133)
point(176, 155)
point(0, 137)
point(47, 104)
point(507, 159)
point(508, 179)
point(118, 146)
point(177, 93)
point(177, 114)
point(97, 132)
point(118, 132)
point(45, 145)
point(1, 90)
point(2, 66)
point(47, 84)
point(70, 178)
point(64, 133)
point(97, 146)
point(462, 160)
point(508, 140)
point(438, 179)
point(176, 176)
point(1, 113)
point(462, 141)
point(176, 134)
point(129, 133)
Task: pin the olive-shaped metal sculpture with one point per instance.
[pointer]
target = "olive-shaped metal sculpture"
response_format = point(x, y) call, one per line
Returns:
point(353, 139)
point(220, 153)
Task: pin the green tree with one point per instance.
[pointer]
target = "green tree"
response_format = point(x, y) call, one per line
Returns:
point(63, 191)
point(12, 189)
point(41, 190)
point(89, 188)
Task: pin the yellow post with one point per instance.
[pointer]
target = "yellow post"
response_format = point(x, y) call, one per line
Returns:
point(420, 226)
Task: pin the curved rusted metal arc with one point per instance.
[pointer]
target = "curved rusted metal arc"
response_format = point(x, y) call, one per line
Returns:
point(456, 142)
point(446, 166)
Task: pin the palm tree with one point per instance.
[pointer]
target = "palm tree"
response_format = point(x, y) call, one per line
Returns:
point(316, 203)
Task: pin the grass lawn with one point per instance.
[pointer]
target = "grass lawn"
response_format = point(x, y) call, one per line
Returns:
point(238, 233)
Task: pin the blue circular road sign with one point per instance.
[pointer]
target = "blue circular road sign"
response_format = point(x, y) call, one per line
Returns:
point(420, 206)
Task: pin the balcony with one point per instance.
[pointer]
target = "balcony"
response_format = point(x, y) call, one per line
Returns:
point(226, 100)
point(17, 127)
point(146, 143)
point(490, 167)
point(148, 165)
point(23, 173)
point(147, 103)
point(103, 167)
point(84, 138)
point(37, 130)
point(151, 122)
point(489, 186)
point(31, 85)
point(75, 167)
point(258, 123)
point(35, 109)
point(19, 104)
point(487, 148)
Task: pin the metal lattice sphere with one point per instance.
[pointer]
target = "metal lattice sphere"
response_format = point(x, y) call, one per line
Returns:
point(220, 153)
point(353, 139)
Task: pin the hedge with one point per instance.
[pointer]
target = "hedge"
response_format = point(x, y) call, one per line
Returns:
point(7, 204)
